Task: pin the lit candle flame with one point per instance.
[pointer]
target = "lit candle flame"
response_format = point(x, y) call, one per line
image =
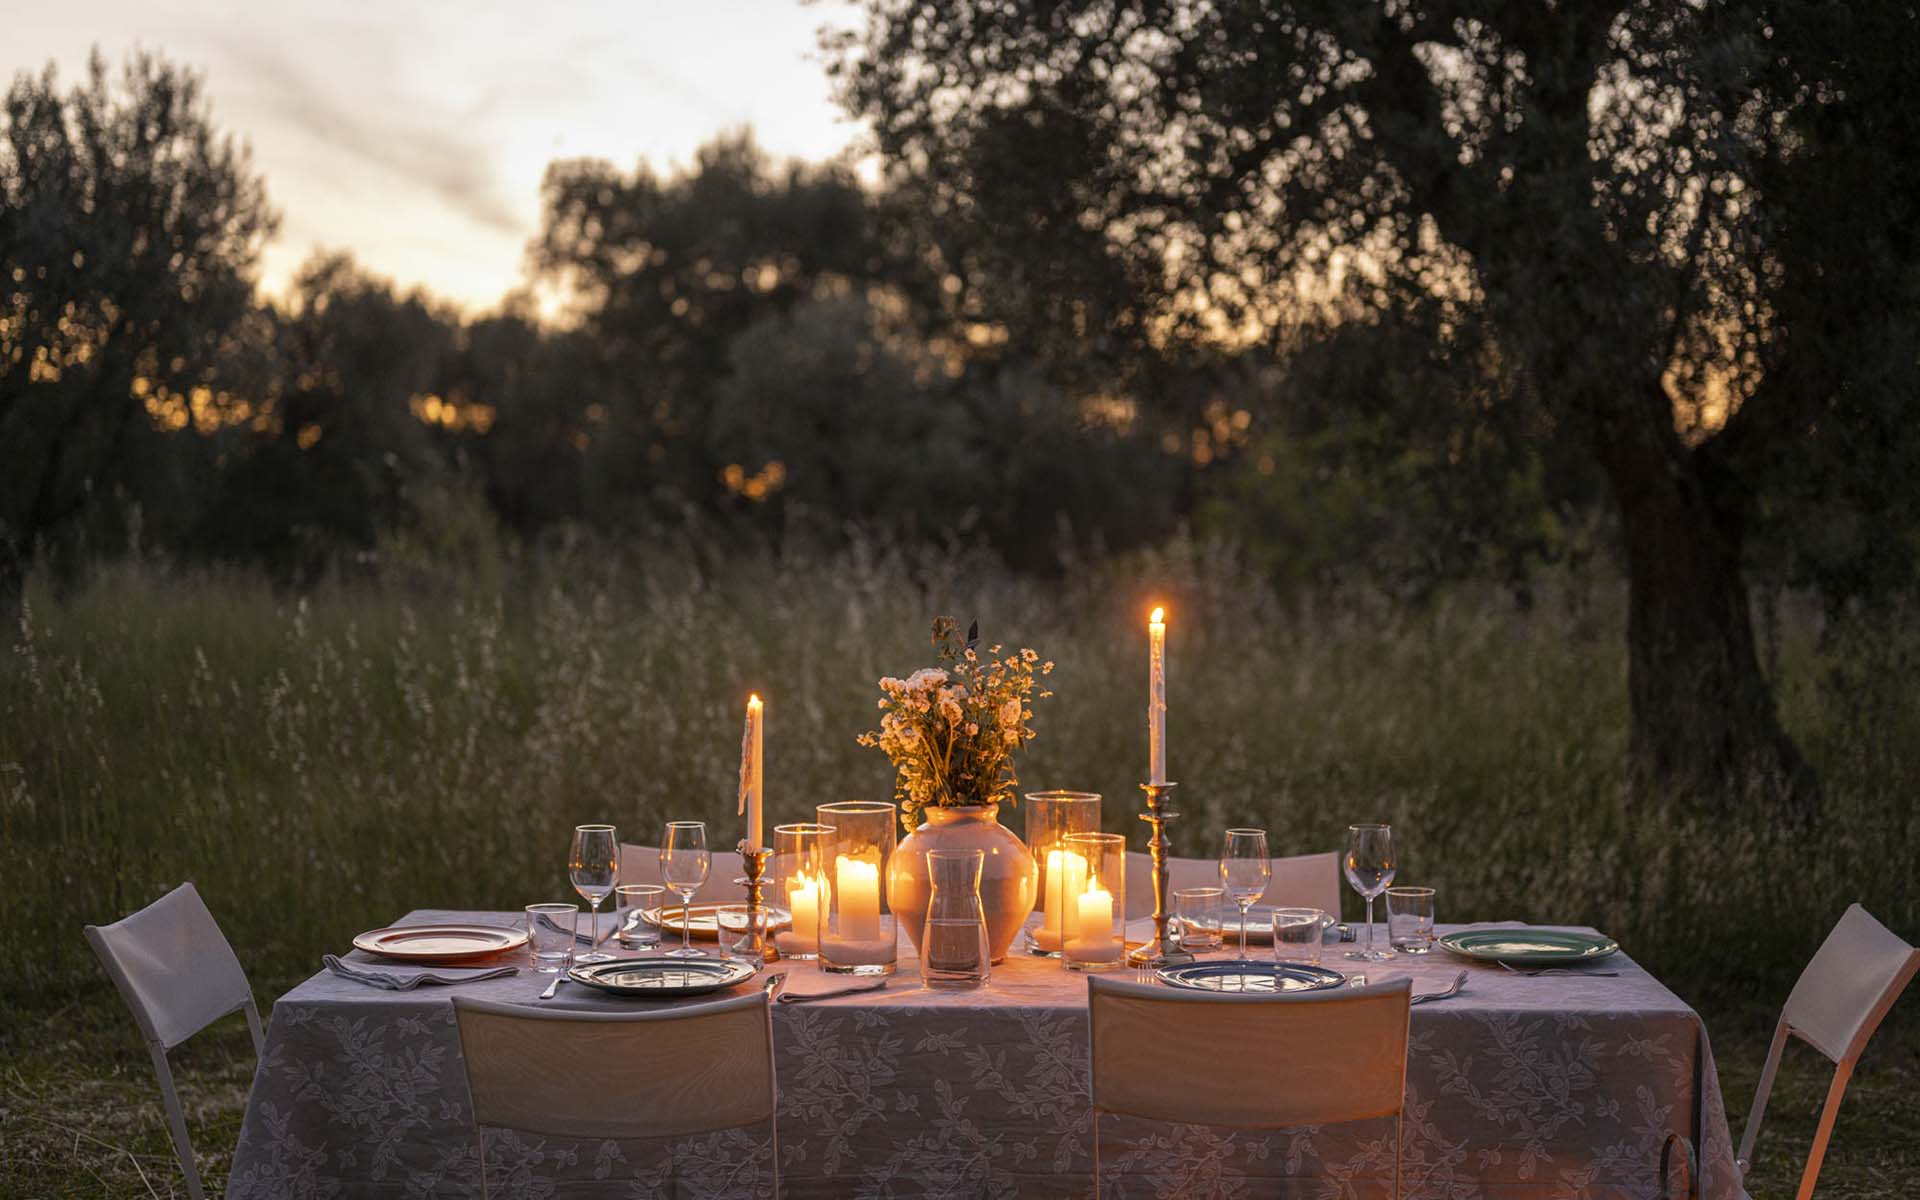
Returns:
point(1159, 616)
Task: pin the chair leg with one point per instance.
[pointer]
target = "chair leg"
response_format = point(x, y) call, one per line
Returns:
point(176, 1120)
point(480, 1151)
point(1841, 1074)
point(1096, 1154)
point(775, 1122)
point(1399, 1147)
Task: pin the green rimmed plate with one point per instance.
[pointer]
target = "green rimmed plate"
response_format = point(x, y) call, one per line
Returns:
point(1530, 947)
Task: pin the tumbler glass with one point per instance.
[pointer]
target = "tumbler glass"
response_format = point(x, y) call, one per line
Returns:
point(1410, 919)
point(1296, 935)
point(550, 929)
point(737, 924)
point(954, 953)
point(1199, 911)
point(636, 900)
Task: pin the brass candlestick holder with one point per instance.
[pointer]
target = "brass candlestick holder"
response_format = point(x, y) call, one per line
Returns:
point(758, 919)
point(1164, 950)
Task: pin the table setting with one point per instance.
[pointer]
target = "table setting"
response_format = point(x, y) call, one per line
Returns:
point(929, 997)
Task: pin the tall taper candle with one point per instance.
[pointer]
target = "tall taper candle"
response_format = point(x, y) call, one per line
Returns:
point(1157, 698)
point(752, 773)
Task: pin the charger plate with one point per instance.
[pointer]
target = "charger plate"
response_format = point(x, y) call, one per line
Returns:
point(705, 919)
point(1219, 975)
point(447, 943)
point(1537, 947)
point(663, 978)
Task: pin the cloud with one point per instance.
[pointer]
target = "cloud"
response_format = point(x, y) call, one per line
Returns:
point(359, 118)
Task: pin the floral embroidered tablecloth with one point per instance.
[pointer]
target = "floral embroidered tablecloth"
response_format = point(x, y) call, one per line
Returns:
point(1555, 1087)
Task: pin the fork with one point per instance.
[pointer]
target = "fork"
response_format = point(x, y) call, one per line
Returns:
point(1559, 971)
point(1459, 981)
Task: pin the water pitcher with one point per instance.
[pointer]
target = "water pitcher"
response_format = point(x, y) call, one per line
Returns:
point(954, 952)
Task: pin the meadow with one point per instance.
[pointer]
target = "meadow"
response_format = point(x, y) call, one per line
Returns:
point(426, 735)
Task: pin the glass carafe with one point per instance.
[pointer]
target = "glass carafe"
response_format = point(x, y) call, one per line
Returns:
point(954, 952)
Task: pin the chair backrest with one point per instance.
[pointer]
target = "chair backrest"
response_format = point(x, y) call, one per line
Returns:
point(1302, 881)
point(1308, 1058)
point(641, 864)
point(619, 1074)
point(173, 966)
point(1851, 982)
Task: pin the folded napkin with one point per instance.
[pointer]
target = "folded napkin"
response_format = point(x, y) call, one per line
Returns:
point(583, 927)
point(401, 983)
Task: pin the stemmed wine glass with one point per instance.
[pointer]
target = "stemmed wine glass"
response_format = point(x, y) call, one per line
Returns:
point(684, 863)
point(1369, 867)
point(1245, 871)
point(594, 867)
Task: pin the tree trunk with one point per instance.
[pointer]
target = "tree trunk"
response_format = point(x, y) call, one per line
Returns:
point(1704, 724)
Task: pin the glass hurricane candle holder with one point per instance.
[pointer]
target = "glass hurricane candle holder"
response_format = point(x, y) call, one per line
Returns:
point(857, 934)
point(800, 887)
point(1052, 817)
point(1094, 920)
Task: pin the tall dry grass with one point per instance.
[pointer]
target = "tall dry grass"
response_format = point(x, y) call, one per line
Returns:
point(322, 763)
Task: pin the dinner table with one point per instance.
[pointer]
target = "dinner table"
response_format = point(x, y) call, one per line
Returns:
point(1556, 1086)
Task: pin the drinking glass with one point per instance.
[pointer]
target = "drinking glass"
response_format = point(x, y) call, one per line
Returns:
point(1198, 911)
point(594, 867)
point(1245, 869)
point(1410, 919)
point(636, 932)
point(1369, 867)
point(684, 863)
point(954, 953)
point(737, 925)
point(1296, 935)
point(550, 929)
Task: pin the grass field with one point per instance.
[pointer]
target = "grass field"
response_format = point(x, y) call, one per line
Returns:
point(321, 763)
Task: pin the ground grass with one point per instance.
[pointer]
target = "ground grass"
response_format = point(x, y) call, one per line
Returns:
point(321, 763)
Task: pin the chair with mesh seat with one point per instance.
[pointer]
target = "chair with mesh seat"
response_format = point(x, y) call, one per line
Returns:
point(1839, 1001)
point(1305, 1058)
point(648, 1074)
point(177, 973)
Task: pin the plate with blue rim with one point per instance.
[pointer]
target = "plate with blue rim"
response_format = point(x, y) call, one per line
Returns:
point(1228, 975)
point(663, 978)
point(1526, 946)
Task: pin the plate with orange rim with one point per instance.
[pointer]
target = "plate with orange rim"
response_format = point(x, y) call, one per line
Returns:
point(705, 919)
point(443, 943)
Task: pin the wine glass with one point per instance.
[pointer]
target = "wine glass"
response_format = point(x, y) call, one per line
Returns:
point(684, 863)
point(1245, 871)
point(1369, 867)
point(594, 867)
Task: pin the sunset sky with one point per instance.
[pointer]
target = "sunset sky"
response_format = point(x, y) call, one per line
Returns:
point(414, 134)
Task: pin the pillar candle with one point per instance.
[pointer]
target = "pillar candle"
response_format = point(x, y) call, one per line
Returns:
point(752, 773)
point(858, 885)
point(806, 895)
point(1091, 936)
point(1066, 879)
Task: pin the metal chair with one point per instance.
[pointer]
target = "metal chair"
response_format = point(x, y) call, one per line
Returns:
point(1841, 998)
point(1309, 1058)
point(667, 1073)
point(641, 864)
point(1303, 881)
point(177, 973)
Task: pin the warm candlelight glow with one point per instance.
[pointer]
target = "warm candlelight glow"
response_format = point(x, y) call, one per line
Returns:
point(1091, 938)
point(858, 885)
point(1157, 697)
point(806, 899)
point(1066, 879)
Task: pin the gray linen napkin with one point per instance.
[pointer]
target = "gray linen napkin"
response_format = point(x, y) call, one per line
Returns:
point(583, 928)
point(400, 983)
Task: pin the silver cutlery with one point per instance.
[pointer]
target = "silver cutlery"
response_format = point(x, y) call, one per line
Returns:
point(774, 984)
point(554, 986)
point(1459, 981)
point(793, 998)
point(1531, 971)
